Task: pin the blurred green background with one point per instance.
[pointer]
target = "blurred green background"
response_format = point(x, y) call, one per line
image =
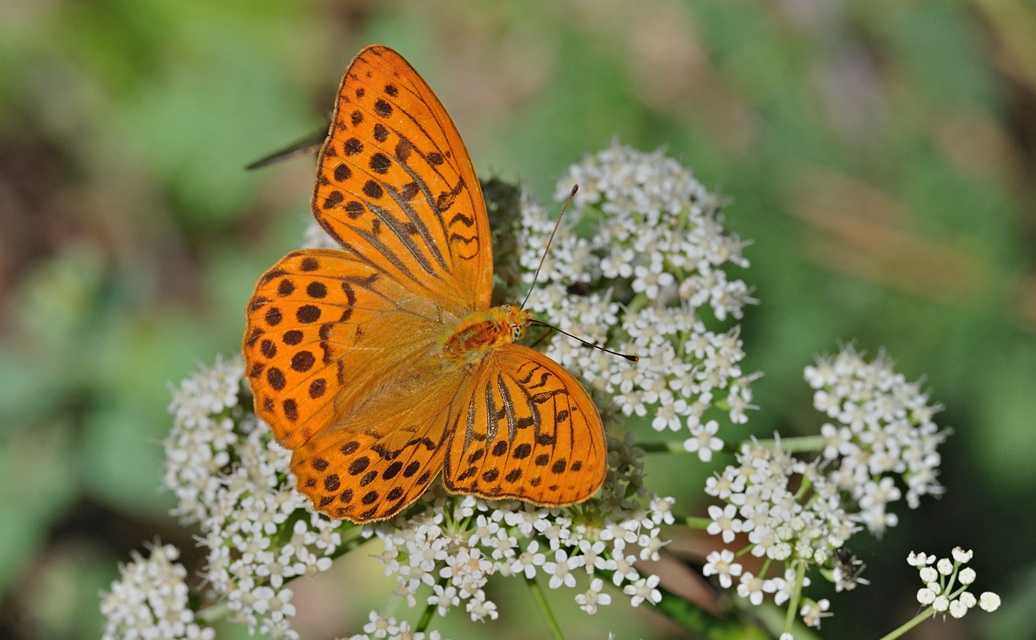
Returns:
point(880, 155)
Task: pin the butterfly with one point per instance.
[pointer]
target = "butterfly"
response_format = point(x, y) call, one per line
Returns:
point(382, 365)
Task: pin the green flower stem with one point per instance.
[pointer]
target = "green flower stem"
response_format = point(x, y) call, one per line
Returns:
point(350, 543)
point(796, 595)
point(916, 620)
point(429, 611)
point(426, 618)
point(696, 523)
point(662, 447)
point(797, 445)
point(212, 614)
point(696, 620)
point(676, 446)
point(691, 617)
point(541, 602)
point(924, 615)
point(803, 489)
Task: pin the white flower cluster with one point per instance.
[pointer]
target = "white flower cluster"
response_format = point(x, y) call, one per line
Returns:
point(382, 627)
point(946, 584)
point(802, 513)
point(639, 266)
point(199, 447)
point(790, 512)
point(881, 426)
point(315, 237)
point(232, 479)
point(150, 600)
point(446, 553)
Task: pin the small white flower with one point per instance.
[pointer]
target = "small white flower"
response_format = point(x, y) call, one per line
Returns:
point(443, 598)
point(751, 588)
point(593, 597)
point(962, 556)
point(480, 609)
point(668, 412)
point(812, 612)
point(721, 563)
point(381, 627)
point(704, 440)
point(644, 589)
point(919, 559)
point(724, 521)
point(624, 570)
point(958, 609)
point(926, 596)
point(528, 560)
point(561, 571)
point(989, 601)
point(593, 556)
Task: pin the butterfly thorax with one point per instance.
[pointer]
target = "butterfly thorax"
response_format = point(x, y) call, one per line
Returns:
point(483, 331)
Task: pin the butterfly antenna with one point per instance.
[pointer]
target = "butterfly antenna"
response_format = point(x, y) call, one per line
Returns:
point(304, 146)
point(550, 240)
point(536, 277)
point(587, 343)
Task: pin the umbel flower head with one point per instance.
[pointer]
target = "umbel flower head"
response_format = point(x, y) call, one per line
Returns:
point(150, 600)
point(948, 584)
point(651, 280)
point(799, 513)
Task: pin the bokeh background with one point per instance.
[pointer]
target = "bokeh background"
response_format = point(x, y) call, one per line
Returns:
point(881, 156)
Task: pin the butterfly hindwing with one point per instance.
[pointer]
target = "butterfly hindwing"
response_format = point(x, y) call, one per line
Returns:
point(529, 431)
point(382, 455)
point(323, 330)
point(395, 184)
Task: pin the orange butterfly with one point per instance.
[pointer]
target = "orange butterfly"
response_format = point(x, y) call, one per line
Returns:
point(382, 364)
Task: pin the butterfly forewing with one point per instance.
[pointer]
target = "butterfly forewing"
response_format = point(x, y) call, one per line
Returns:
point(529, 431)
point(395, 184)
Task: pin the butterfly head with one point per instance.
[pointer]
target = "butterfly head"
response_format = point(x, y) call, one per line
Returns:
point(517, 319)
point(483, 331)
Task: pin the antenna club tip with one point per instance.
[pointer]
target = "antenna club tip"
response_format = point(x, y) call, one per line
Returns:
point(575, 188)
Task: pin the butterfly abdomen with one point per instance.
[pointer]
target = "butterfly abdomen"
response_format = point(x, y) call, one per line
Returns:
point(483, 331)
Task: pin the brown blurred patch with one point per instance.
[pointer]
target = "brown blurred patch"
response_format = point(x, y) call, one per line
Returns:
point(34, 222)
point(863, 232)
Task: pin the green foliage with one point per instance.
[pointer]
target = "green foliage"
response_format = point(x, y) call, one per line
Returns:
point(875, 153)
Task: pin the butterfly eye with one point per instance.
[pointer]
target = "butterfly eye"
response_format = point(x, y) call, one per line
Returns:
point(517, 332)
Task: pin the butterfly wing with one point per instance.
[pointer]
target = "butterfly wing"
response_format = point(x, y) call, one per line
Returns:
point(528, 430)
point(382, 455)
point(324, 331)
point(395, 184)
